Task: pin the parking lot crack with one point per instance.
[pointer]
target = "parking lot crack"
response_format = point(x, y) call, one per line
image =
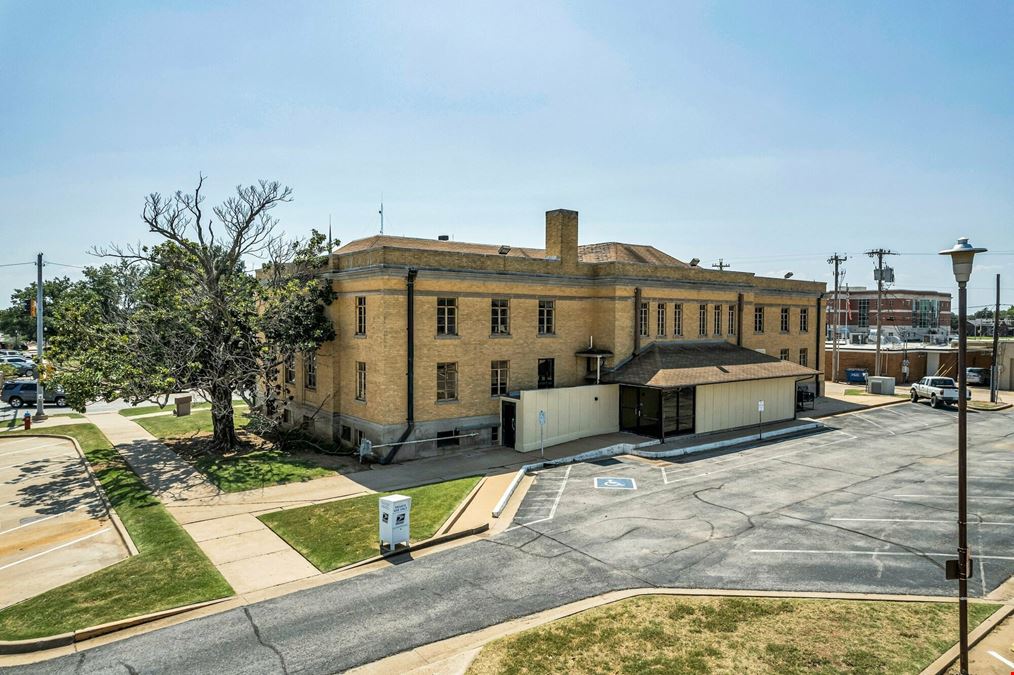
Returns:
point(910, 549)
point(260, 639)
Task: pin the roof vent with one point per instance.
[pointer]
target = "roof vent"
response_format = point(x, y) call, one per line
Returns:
point(443, 237)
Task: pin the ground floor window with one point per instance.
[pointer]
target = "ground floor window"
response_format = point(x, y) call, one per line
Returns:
point(494, 435)
point(346, 433)
point(547, 375)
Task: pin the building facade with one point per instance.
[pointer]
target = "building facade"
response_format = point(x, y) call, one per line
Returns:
point(911, 315)
point(432, 335)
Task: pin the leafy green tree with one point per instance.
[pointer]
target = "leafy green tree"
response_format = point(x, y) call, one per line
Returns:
point(16, 320)
point(186, 313)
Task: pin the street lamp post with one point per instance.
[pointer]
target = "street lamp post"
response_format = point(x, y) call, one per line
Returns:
point(961, 259)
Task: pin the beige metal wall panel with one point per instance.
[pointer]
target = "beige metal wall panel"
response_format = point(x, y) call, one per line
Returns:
point(734, 404)
point(571, 413)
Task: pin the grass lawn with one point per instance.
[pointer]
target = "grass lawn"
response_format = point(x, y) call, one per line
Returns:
point(239, 472)
point(863, 392)
point(148, 409)
point(170, 426)
point(170, 570)
point(986, 405)
point(339, 533)
point(668, 634)
point(257, 469)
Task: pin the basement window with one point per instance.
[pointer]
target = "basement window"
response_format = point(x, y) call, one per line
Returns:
point(448, 439)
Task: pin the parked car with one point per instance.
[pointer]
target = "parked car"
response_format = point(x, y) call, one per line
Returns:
point(22, 365)
point(939, 390)
point(977, 375)
point(10, 352)
point(22, 392)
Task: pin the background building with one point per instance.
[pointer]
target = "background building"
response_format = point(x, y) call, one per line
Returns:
point(912, 315)
point(443, 341)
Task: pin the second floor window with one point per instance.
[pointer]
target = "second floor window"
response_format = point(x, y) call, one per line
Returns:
point(785, 320)
point(804, 320)
point(360, 381)
point(702, 320)
point(758, 319)
point(661, 319)
point(447, 316)
point(310, 370)
point(498, 371)
point(784, 355)
point(290, 369)
point(642, 320)
point(547, 310)
point(360, 315)
point(499, 317)
point(677, 317)
point(732, 319)
point(718, 320)
point(803, 357)
point(447, 381)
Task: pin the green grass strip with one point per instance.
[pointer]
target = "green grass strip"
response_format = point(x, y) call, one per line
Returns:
point(672, 634)
point(170, 570)
point(168, 408)
point(258, 469)
point(339, 533)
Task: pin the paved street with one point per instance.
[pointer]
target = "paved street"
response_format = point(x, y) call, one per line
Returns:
point(867, 506)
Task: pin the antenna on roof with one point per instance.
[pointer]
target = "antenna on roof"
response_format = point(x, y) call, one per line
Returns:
point(381, 212)
point(721, 264)
point(329, 239)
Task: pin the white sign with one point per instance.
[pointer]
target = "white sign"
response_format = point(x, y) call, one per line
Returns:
point(394, 520)
point(760, 406)
point(542, 417)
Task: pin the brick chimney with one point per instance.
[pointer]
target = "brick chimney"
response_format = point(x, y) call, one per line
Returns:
point(561, 236)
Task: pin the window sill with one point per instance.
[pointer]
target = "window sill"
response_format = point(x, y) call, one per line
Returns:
point(359, 400)
point(359, 336)
point(313, 388)
point(447, 401)
point(546, 335)
point(455, 336)
point(499, 335)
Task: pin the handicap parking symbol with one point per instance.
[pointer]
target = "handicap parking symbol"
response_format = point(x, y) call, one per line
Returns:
point(612, 483)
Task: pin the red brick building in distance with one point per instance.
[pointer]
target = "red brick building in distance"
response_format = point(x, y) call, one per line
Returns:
point(911, 315)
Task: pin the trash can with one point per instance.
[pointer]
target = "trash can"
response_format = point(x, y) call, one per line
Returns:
point(855, 375)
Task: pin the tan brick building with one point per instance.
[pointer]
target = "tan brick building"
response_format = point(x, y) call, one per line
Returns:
point(431, 334)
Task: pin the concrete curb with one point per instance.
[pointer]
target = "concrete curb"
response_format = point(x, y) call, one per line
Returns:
point(635, 450)
point(110, 511)
point(869, 406)
point(1003, 406)
point(941, 665)
point(461, 508)
point(426, 543)
point(428, 658)
point(65, 639)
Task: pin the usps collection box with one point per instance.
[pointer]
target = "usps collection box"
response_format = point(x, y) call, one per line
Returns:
point(394, 520)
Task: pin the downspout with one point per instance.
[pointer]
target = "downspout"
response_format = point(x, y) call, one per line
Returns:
point(739, 320)
point(818, 346)
point(637, 321)
point(410, 369)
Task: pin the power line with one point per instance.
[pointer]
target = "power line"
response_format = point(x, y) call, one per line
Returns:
point(16, 264)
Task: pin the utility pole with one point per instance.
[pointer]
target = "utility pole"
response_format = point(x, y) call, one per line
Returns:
point(835, 260)
point(994, 373)
point(721, 264)
point(40, 396)
point(879, 254)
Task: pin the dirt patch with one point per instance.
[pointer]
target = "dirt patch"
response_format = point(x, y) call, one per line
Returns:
point(195, 447)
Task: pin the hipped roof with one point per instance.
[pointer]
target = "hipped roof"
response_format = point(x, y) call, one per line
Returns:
point(682, 364)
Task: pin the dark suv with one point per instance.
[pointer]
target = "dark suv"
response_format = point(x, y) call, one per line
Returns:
point(18, 393)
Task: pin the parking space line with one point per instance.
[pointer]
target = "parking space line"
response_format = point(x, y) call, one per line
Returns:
point(755, 461)
point(36, 475)
point(913, 520)
point(980, 498)
point(556, 503)
point(924, 554)
point(40, 520)
point(37, 461)
point(32, 449)
point(55, 548)
point(1009, 664)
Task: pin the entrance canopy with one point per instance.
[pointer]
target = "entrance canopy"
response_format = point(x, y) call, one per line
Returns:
point(686, 364)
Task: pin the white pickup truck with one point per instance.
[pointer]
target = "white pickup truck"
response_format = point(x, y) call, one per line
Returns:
point(939, 390)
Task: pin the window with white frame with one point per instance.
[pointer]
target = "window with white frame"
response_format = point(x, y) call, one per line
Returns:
point(447, 381)
point(360, 381)
point(702, 319)
point(498, 375)
point(447, 316)
point(660, 316)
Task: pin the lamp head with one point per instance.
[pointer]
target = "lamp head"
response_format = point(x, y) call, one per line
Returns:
point(961, 259)
point(694, 262)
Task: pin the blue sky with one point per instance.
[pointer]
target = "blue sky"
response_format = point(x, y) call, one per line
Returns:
point(770, 134)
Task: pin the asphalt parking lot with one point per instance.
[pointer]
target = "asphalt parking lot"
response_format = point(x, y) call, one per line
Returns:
point(53, 526)
point(865, 506)
point(869, 505)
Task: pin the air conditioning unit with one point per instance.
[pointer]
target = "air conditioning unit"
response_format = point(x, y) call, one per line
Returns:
point(880, 385)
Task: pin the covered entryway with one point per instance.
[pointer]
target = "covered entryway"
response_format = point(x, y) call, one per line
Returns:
point(671, 389)
point(508, 422)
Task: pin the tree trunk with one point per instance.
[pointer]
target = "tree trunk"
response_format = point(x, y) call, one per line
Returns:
point(222, 419)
